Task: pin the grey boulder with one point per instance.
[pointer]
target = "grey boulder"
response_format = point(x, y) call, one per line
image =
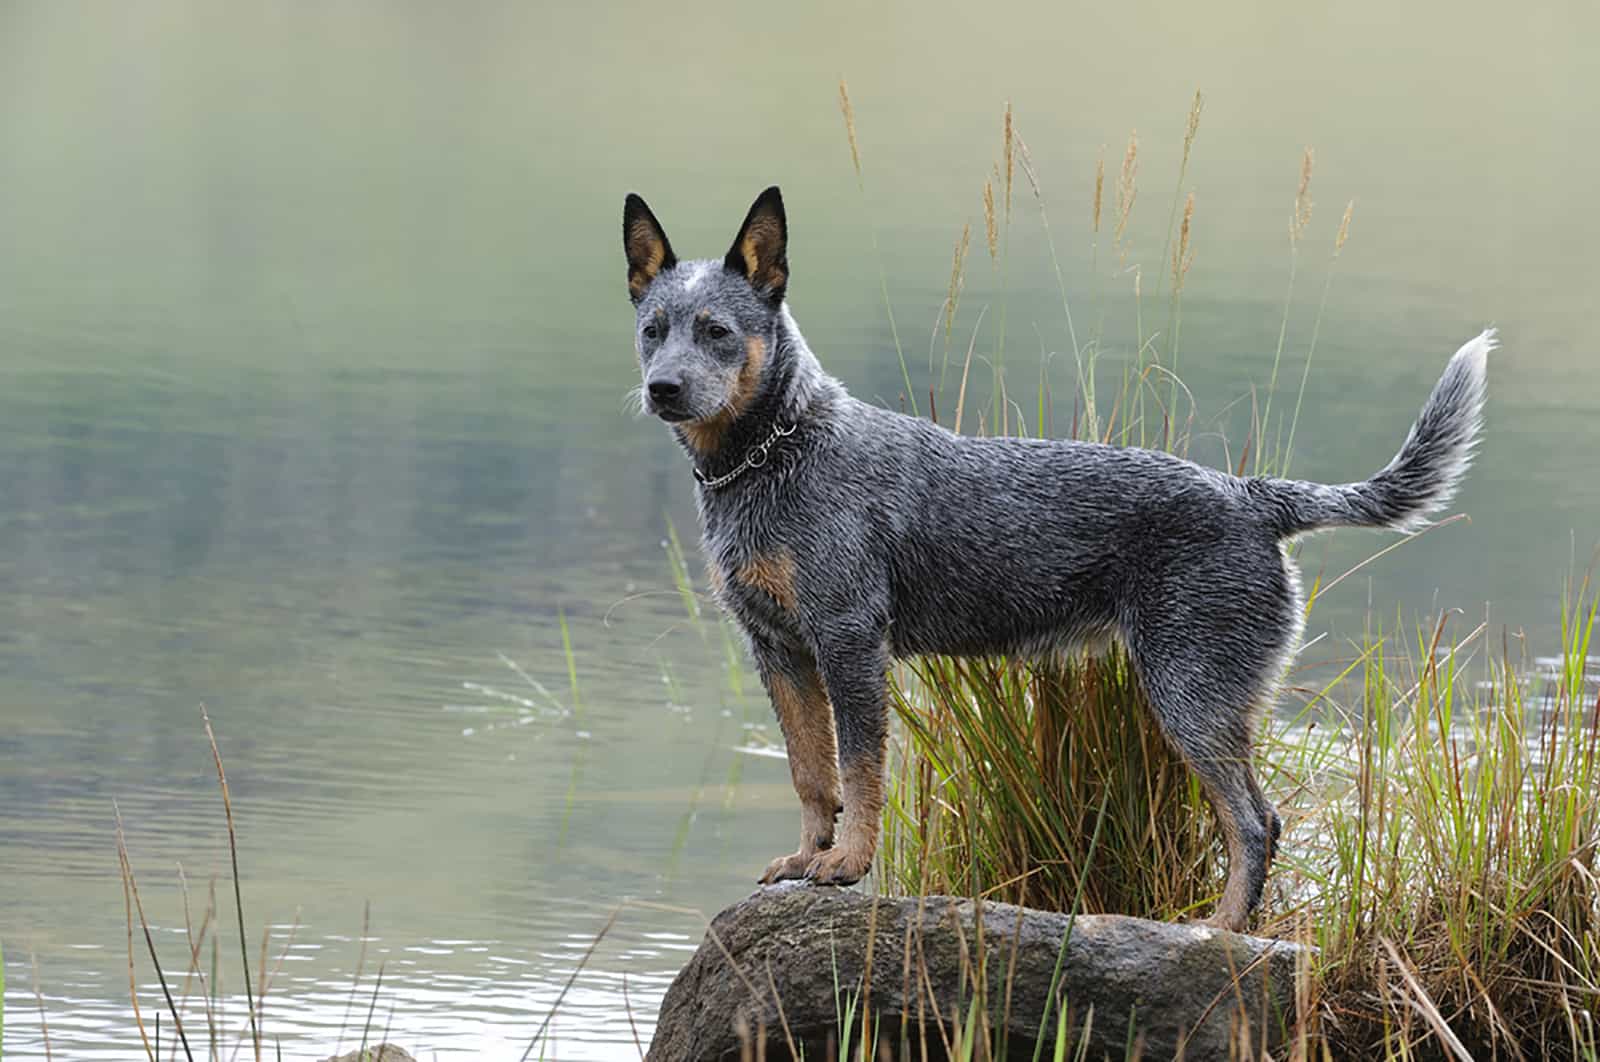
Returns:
point(770, 963)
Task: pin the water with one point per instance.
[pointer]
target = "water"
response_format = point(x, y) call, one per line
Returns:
point(313, 348)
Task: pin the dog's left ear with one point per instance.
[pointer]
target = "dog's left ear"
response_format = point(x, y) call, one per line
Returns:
point(760, 253)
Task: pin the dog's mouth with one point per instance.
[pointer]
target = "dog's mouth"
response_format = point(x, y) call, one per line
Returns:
point(670, 414)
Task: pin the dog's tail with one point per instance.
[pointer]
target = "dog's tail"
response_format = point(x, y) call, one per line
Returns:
point(1422, 477)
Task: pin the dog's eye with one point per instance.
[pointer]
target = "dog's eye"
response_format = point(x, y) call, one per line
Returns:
point(716, 331)
point(652, 330)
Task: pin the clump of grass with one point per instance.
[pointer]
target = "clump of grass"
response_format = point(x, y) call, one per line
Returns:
point(1448, 868)
point(1004, 765)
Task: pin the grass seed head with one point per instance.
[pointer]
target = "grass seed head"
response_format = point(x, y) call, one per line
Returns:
point(849, 113)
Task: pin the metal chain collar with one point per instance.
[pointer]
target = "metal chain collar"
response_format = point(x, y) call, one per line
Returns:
point(754, 459)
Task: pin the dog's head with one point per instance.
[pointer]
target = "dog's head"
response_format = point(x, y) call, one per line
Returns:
point(703, 327)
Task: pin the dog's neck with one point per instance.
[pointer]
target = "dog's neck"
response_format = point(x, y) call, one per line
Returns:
point(791, 382)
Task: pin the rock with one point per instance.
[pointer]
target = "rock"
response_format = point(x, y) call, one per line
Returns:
point(1187, 989)
point(377, 1053)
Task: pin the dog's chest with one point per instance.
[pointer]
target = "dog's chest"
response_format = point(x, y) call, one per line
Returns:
point(756, 577)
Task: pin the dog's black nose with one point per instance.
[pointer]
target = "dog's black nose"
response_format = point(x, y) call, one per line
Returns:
point(665, 389)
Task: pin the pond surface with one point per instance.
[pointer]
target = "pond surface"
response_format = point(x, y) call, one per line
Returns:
point(313, 356)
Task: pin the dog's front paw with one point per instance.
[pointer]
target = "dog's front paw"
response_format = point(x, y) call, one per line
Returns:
point(786, 868)
point(844, 865)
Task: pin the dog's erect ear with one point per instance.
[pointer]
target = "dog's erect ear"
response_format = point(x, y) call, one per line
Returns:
point(646, 246)
point(760, 253)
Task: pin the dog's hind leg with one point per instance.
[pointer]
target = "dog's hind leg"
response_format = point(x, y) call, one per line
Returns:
point(806, 718)
point(1209, 722)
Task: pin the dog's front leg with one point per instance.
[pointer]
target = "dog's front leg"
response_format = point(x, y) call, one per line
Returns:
point(855, 671)
point(801, 704)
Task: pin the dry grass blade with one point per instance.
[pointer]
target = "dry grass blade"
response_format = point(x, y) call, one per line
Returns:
point(627, 1006)
point(38, 996)
point(1423, 1004)
point(966, 368)
point(593, 944)
point(1099, 187)
point(196, 944)
point(133, 986)
point(277, 967)
point(372, 1008)
point(238, 895)
point(132, 885)
point(361, 962)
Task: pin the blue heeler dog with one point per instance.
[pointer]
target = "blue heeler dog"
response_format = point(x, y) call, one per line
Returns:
point(840, 534)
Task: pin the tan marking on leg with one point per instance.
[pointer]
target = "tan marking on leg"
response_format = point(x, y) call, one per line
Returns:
point(851, 855)
point(705, 436)
point(772, 573)
point(807, 721)
point(1233, 909)
point(715, 579)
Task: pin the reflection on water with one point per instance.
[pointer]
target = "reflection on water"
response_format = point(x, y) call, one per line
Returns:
point(313, 356)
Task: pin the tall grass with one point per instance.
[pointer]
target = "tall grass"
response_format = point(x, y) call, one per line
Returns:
point(1441, 802)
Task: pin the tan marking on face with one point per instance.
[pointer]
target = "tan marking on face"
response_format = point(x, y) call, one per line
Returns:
point(807, 721)
point(772, 573)
point(705, 435)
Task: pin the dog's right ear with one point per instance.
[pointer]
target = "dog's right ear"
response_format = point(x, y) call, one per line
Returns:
point(645, 244)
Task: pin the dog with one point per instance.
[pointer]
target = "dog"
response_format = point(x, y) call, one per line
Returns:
point(841, 535)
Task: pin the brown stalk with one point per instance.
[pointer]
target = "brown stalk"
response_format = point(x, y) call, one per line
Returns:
point(627, 1007)
point(961, 394)
point(361, 962)
point(196, 943)
point(1099, 186)
point(133, 988)
point(132, 885)
point(38, 995)
point(543, 1026)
